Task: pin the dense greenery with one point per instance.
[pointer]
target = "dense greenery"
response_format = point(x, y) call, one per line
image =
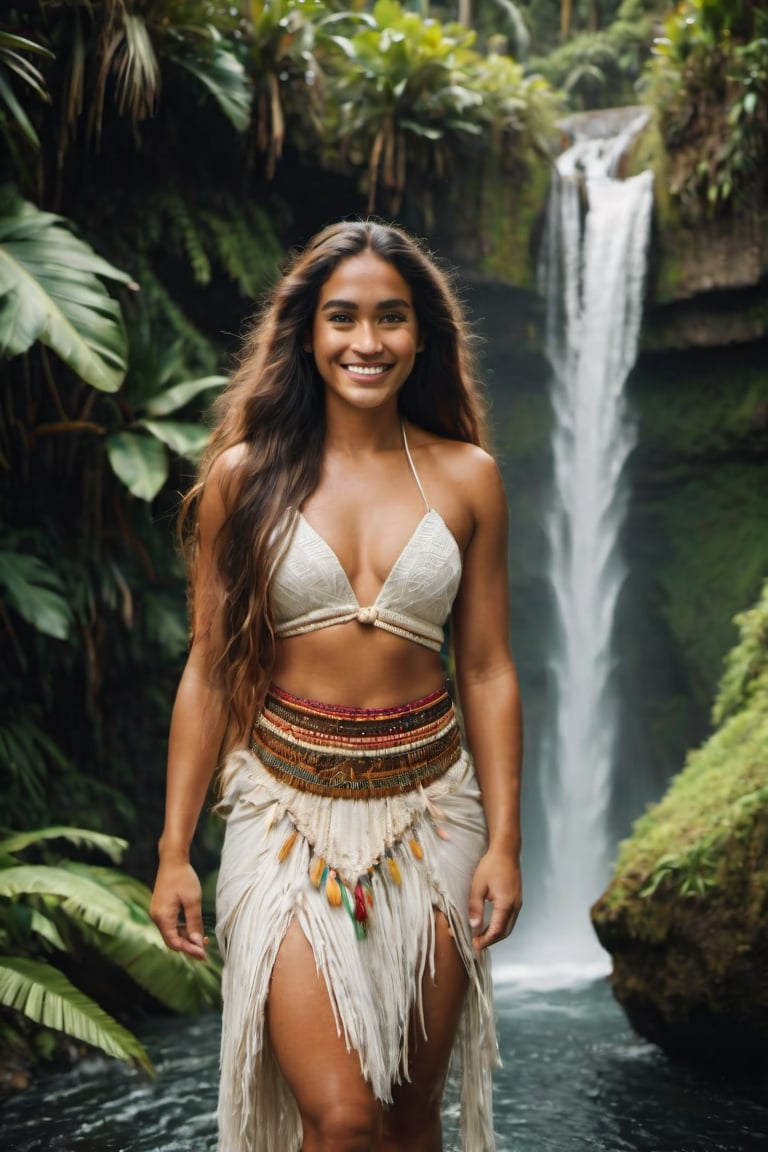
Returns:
point(156, 159)
point(709, 82)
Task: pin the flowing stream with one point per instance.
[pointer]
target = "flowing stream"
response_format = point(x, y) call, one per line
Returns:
point(575, 1079)
point(592, 272)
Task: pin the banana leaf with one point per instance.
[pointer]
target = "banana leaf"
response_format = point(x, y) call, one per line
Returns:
point(50, 291)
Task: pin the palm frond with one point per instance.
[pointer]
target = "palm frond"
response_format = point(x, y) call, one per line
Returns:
point(44, 994)
point(80, 898)
point(222, 74)
point(111, 846)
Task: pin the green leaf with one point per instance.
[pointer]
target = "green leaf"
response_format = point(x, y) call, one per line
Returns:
point(185, 438)
point(50, 291)
point(180, 394)
point(111, 846)
point(45, 995)
point(34, 591)
point(8, 97)
point(224, 77)
point(141, 462)
point(82, 900)
point(45, 928)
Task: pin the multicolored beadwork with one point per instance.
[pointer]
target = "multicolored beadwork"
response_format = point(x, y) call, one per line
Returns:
point(356, 753)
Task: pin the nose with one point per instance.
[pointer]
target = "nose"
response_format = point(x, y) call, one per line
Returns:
point(367, 338)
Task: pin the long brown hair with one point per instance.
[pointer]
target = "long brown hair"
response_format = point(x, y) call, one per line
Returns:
point(274, 406)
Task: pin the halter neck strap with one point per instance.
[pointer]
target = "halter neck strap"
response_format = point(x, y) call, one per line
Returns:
point(413, 467)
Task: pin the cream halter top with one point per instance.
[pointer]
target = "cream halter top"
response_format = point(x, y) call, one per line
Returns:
point(309, 589)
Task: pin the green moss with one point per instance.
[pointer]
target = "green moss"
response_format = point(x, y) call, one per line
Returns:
point(647, 151)
point(700, 475)
point(716, 528)
point(511, 209)
point(701, 408)
point(706, 840)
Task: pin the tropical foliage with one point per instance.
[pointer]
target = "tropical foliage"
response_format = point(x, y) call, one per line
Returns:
point(709, 81)
point(411, 97)
point(152, 157)
point(55, 915)
point(601, 67)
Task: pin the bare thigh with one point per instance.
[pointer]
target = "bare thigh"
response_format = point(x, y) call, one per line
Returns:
point(338, 1109)
point(412, 1124)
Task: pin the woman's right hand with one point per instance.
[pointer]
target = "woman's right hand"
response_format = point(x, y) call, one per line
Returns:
point(176, 908)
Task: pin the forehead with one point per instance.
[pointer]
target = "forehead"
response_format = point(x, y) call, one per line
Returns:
point(365, 279)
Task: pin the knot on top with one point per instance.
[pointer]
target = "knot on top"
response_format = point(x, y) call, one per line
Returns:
point(368, 615)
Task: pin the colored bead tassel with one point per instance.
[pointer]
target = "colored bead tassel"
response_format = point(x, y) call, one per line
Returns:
point(394, 871)
point(416, 848)
point(333, 889)
point(361, 909)
point(367, 886)
point(316, 871)
point(286, 846)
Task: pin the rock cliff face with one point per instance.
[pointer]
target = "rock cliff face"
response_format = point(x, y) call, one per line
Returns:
point(686, 915)
point(708, 279)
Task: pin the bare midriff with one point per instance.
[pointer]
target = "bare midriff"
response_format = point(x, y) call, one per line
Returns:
point(356, 666)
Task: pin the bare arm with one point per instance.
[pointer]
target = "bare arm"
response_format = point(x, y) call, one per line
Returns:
point(490, 703)
point(198, 726)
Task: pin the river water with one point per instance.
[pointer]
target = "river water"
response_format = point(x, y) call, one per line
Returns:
point(575, 1079)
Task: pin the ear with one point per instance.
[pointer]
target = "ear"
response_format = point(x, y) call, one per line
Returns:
point(306, 341)
point(420, 342)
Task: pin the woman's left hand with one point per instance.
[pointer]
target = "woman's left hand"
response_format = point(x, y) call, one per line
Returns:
point(497, 880)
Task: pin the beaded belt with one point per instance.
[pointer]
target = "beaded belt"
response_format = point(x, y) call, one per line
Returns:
point(356, 753)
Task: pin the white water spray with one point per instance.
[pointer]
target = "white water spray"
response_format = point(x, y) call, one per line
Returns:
point(593, 272)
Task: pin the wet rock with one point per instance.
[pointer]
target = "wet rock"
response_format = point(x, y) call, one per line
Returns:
point(685, 917)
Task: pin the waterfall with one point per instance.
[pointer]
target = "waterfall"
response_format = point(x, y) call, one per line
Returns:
point(592, 274)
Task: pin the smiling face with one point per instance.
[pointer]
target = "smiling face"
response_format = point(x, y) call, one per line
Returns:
point(365, 335)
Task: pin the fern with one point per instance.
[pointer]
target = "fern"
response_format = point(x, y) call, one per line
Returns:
point(193, 238)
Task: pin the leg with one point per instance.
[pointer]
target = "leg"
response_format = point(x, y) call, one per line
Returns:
point(339, 1112)
point(413, 1123)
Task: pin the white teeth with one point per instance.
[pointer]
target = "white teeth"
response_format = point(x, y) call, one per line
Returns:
point(365, 370)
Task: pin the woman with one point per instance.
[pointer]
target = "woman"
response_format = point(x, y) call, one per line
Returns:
point(344, 510)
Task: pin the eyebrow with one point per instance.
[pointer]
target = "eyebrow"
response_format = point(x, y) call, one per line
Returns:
point(350, 305)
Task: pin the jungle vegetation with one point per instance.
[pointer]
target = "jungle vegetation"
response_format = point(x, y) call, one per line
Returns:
point(157, 157)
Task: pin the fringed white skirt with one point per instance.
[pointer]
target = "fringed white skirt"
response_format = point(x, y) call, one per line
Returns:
point(362, 878)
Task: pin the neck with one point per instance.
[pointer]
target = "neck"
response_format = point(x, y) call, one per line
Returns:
point(356, 431)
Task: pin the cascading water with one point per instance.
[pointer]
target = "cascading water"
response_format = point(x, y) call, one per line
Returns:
point(593, 272)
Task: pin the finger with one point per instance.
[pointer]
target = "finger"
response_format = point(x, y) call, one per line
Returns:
point(177, 935)
point(193, 919)
point(499, 926)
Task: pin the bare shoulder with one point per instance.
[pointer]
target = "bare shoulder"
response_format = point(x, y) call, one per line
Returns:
point(463, 483)
point(225, 467)
point(219, 492)
point(467, 467)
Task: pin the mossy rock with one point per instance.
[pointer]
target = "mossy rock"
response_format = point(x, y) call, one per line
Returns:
point(492, 216)
point(685, 917)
